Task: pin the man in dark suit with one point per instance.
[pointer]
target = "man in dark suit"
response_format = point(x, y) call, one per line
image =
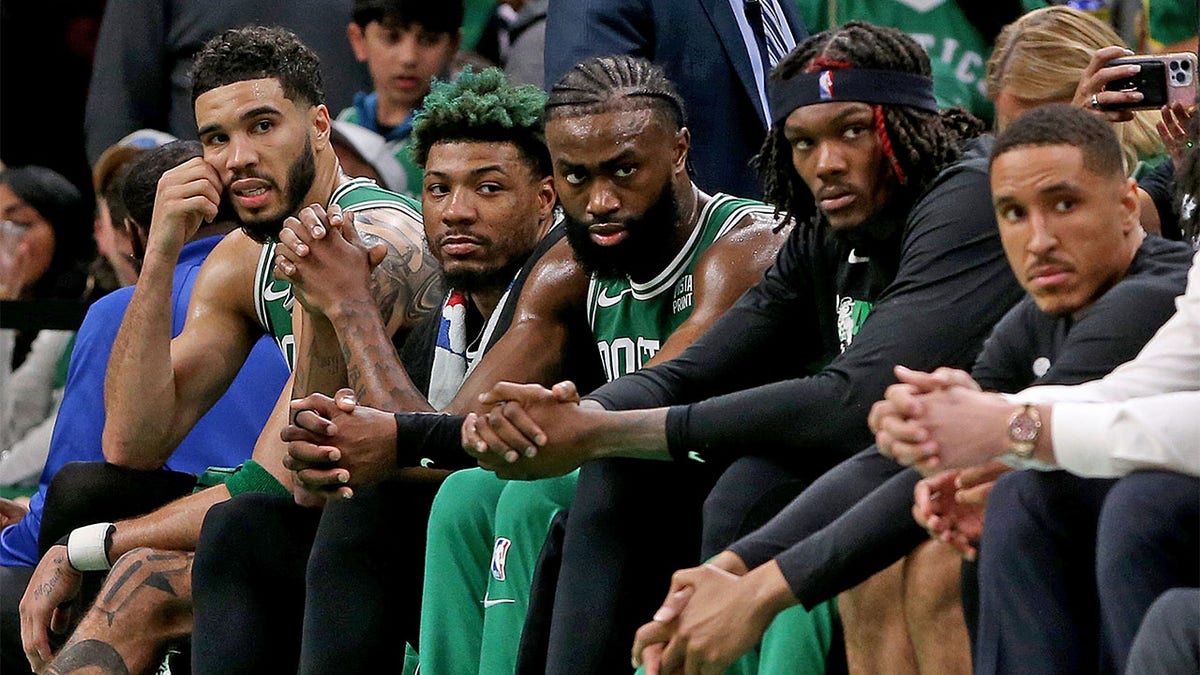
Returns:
point(717, 52)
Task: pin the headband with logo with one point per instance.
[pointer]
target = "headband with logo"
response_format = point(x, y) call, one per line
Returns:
point(886, 87)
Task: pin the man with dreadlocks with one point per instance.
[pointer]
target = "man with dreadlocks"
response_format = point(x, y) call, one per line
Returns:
point(663, 260)
point(634, 217)
point(488, 202)
point(894, 222)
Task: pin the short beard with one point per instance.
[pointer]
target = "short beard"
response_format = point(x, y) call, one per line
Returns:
point(645, 250)
point(481, 280)
point(300, 177)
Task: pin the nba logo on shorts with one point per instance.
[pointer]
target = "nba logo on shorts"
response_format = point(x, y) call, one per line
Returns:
point(825, 85)
point(499, 555)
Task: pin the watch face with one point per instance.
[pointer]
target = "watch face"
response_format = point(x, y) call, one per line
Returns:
point(1023, 428)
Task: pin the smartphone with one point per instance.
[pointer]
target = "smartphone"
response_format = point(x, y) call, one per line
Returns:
point(1163, 80)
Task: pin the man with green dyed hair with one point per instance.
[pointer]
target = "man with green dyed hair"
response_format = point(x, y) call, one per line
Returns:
point(654, 262)
point(488, 201)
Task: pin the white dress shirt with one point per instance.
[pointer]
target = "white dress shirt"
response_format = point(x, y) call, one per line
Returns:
point(1143, 415)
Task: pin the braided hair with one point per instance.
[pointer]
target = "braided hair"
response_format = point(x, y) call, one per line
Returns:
point(617, 82)
point(917, 143)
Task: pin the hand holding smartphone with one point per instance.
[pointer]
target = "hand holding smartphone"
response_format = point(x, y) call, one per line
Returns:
point(1161, 79)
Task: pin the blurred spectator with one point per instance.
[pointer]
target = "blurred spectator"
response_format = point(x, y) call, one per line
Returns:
point(405, 44)
point(59, 37)
point(1042, 58)
point(1127, 17)
point(476, 15)
point(515, 40)
point(362, 152)
point(145, 49)
point(958, 34)
point(1171, 25)
point(41, 257)
point(115, 265)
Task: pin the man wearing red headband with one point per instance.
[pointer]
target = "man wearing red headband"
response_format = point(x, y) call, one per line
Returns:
point(895, 259)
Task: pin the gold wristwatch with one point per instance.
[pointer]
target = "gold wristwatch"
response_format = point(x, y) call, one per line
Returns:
point(1023, 428)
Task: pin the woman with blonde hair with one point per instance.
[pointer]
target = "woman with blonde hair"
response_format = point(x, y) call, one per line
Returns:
point(1058, 55)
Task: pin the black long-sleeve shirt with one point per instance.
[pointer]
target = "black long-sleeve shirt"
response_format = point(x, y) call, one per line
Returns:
point(821, 556)
point(770, 377)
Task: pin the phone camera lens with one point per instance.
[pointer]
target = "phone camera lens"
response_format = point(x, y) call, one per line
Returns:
point(1180, 78)
point(1175, 65)
point(1185, 65)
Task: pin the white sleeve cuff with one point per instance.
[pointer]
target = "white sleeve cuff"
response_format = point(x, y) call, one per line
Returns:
point(1082, 437)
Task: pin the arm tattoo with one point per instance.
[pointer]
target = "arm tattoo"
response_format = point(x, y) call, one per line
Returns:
point(43, 589)
point(405, 277)
point(165, 571)
point(87, 655)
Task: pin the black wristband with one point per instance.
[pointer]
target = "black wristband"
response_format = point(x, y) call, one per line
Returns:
point(430, 440)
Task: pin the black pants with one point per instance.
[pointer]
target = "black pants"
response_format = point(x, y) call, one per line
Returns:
point(632, 524)
point(248, 585)
point(1038, 608)
point(82, 493)
point(279, 587)
point(1148, 542)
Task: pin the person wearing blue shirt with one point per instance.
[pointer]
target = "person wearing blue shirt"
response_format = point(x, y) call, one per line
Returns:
point(225, 436)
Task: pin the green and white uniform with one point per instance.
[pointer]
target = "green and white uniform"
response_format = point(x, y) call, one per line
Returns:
point(273, 298)
point(401, 149)
point(485, 534)
point(957, 52)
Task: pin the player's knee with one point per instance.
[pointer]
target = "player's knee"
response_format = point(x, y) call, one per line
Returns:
point(931, 586)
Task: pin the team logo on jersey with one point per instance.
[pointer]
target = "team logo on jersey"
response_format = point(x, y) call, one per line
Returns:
point(499, 556)
point(851, 314)
point(825, 85)
point(605, 300)
point(273, 294)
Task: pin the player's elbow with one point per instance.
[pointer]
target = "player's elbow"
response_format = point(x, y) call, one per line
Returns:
point(121, 450)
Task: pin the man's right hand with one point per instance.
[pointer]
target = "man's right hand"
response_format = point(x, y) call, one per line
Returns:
point(188, 196)
point(46, 605)
point(512, 433)
point(950, 505)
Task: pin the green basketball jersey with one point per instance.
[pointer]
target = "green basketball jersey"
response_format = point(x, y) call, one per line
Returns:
point(273, 297)
point(630, 320)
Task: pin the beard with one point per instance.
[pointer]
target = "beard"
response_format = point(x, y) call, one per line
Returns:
point(300, 177)
point(477, 280)
point(644, 251)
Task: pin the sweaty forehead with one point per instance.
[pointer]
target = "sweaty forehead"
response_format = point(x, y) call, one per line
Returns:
point(594, 138)
point(230, 101)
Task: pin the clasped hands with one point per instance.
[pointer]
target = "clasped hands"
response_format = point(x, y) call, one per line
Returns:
point(531, 432)
point(944, 426)
point(335, 444)
point(712, 615)
point(321, 254)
